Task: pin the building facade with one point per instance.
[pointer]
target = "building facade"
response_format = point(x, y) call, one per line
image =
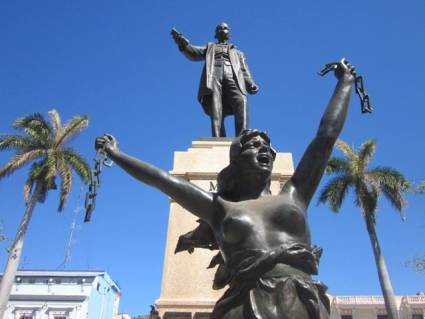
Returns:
point(63, 295)
point(342, 307)
point(373, 307)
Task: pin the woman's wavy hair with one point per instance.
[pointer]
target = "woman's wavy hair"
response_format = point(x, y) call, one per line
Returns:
point(229, 177)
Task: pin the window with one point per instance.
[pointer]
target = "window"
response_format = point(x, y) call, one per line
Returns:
point(382, 317)
point(60, 317)
point(26, 317)
point(417, 317)
point(346, 317)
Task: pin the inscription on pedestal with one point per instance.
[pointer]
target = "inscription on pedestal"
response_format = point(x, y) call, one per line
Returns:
point(213, 186)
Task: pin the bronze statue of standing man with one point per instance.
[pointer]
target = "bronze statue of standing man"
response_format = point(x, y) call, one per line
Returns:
point(225, 79)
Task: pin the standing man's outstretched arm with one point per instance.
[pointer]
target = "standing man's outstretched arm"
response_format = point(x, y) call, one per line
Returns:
point(192, 52)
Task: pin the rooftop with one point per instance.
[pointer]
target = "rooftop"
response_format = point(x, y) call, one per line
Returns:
point(58, 273)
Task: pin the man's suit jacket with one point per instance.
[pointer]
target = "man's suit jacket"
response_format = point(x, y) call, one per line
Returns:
point(207, 53)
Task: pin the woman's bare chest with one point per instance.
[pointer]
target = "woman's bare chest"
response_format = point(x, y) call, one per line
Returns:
point(261, 217)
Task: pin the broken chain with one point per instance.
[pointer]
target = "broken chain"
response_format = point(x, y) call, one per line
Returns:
point(365, 104)
point(100, 160)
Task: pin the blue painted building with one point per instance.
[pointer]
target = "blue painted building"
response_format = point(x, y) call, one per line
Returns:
point(63, 295)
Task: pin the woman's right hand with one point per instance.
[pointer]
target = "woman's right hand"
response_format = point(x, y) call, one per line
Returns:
point(106, 143)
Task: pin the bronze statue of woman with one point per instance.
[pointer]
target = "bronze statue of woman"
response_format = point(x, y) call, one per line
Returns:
point(264, 239)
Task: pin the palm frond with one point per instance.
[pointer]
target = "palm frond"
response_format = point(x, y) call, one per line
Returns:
point(396, 198)
point(20, 160)
point(71, 129)
point(66, 184)
point(38, 170)
point(337, 165)
point(393, 185)
point(335, 191)
point(51, 164)
point(347, 150)
point(37, 175)
point(56, 121)
point(390, 177)
point(78, 163)
point(35, 126)
point(16, 143)
point(366, 151)
point(44, 173)
point(23, 122)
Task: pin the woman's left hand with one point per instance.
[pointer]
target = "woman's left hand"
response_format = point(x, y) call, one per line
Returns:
point(106, 143)
point(345, 71)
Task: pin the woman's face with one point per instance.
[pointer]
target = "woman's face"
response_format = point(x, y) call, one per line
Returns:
point(256, 156)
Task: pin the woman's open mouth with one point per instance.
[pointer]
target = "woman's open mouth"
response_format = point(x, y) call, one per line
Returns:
point(264, 159)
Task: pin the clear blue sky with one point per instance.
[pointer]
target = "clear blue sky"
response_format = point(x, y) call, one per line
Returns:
point(115, 61)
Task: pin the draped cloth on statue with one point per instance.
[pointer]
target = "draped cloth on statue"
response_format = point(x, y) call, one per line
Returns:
point(262, 288)
point(264, 284)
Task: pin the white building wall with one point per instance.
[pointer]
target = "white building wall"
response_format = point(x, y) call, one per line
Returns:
point(56, 294)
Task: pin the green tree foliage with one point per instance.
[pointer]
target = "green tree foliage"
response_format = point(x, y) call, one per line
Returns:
point(352, 172)
point(44, 145)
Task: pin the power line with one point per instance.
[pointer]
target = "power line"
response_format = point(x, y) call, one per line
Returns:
point(74, 227)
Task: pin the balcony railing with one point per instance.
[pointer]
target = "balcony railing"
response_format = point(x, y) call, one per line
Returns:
point(376, 300)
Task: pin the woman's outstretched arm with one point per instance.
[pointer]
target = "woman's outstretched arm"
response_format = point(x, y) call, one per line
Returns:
point(309, 171)
point(191, 197)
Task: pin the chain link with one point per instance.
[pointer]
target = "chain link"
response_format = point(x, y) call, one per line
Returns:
point(100, 160)
point(365, 104)
point(366, 107)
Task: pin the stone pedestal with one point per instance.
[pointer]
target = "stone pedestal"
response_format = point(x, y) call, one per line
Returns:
point(186, 290)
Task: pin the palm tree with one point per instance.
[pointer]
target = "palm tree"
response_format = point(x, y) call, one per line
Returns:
point(42, 143)
point(352, 172)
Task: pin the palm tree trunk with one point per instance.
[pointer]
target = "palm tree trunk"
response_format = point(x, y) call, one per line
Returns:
point(15, 253)
point(384, 277)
